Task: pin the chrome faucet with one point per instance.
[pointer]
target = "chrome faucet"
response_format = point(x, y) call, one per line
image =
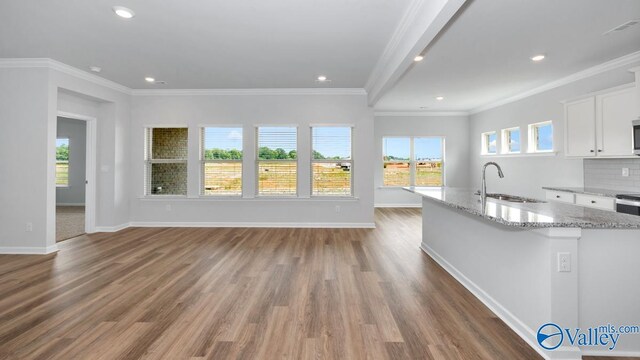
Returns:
point(483, 191)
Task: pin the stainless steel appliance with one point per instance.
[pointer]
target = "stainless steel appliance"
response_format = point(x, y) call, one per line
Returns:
point(636, 136)
point(628, 204)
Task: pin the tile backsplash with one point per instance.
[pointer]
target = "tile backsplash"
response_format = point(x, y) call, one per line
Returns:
point(607, 174)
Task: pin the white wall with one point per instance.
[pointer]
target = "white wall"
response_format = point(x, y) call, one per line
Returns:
point(526, 175)
point(455, 129)
point(76, 132)
point(248, 111)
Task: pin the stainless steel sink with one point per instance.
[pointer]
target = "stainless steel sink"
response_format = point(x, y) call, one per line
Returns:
point(512, 198)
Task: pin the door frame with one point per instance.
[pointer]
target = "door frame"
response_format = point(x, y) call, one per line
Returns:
point(90, 176)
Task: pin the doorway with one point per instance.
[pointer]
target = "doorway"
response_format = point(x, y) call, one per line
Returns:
point(75, 159)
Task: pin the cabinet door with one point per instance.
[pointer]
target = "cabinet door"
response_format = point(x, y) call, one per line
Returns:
point(614, 114)
point(580, 127)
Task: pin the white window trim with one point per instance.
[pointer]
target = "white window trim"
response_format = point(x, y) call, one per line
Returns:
point(68, 185)
point(533, 145)
point(412, 161)
point(506, 144)
point(312, 161)
point(204, 161)
point(148, 161)
point(484, 143)
point(257, 163)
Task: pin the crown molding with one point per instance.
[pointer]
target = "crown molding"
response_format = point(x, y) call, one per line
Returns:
point(63, 68)
point(592, 71)
point(272, 91)
point(420, 113)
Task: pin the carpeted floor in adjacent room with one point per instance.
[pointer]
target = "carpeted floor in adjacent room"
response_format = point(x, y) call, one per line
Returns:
point(69, 222)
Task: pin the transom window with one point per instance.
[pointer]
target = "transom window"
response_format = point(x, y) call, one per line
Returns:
point(277, 160)
point(489, 143)
point(541, 137)
point(417, 161)
point(331, 162)
point(166, 161)
point(511, 140)
point(221, 159)
point(62, 162)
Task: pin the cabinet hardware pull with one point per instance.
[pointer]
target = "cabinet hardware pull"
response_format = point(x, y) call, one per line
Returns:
point(599, 150)
point(593, 201)
point(557, 196)
point(591, 150)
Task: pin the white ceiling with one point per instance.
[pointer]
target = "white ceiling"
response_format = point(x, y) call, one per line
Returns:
point(483, 55)
point(213, 44)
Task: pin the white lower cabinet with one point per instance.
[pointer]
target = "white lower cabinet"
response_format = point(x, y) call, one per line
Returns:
point(591, 201)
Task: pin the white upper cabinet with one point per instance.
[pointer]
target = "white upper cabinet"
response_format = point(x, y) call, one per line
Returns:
point(580, 127)
point(614, 112)
point(600, 125)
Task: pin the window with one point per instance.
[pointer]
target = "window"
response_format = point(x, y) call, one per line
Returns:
point(415, 161)
point(166, 161)
point(62, 162)
point(489, 145)
point(396, 153)
point(331, 162)
point(277, 162)
point(221, 160)
point(541, 137)
point(511, 140)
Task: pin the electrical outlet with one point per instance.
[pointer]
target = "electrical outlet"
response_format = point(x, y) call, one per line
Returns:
point(564, 262)
point(625, 171)
point(29, 227)
point(338, 208)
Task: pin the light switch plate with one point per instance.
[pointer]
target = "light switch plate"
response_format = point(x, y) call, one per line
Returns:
point(625, 171)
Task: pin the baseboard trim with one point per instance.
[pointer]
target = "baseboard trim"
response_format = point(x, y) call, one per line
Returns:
point(22, 250)
point(398, 205)
point(609, 353)
point(521, 329)
point(252, 224)
point(112, 228)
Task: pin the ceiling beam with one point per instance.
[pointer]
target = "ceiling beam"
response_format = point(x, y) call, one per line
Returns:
point(419, 27)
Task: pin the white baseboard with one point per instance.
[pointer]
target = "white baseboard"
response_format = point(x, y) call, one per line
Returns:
point(70, 204)
point(419, 205)
point(251, 224)
point(608, 353)
point(112, 228)
point(520, 328)
point(21, 250)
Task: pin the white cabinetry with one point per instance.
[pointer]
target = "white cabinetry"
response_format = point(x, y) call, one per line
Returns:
point(600, 125)
point(586, 200)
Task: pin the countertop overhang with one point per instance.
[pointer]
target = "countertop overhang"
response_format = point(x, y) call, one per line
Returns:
point(527, 215)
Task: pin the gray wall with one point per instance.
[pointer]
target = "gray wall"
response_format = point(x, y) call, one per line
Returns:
point(608, 174)
point(525, 175)
point(76, 132)
point(455, 129)
point(248, 111)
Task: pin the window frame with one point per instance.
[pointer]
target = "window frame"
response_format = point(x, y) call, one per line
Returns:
point(258, 161)
point(149, 161)
point(68, 184)
point(533, 136)
point(204, 161)
point(506, 144)
point(412, 160)
point(312, 161)
point(485, 143)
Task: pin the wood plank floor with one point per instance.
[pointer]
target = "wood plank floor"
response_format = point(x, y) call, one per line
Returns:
point(207, 293)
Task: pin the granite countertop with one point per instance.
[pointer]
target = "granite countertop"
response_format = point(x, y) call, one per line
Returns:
point(586, 190)
point(528, 215)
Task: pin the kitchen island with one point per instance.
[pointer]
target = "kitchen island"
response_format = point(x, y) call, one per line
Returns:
point(539, 263)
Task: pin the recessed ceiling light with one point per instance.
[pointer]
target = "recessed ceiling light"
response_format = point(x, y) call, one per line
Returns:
point(418, 58)
point(95, 69)
point(123, 12)
point(322, 78)
point(439, 98)
point(149, 79)
point(537, 57)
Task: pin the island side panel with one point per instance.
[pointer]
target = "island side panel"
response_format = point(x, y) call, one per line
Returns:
point(507, 268)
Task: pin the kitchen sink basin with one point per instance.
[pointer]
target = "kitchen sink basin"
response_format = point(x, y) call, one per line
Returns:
point(512, 198)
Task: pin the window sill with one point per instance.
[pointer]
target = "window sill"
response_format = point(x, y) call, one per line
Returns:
point(62, 186)
point(404, 186)
point(205, 198)
point(516, 155)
